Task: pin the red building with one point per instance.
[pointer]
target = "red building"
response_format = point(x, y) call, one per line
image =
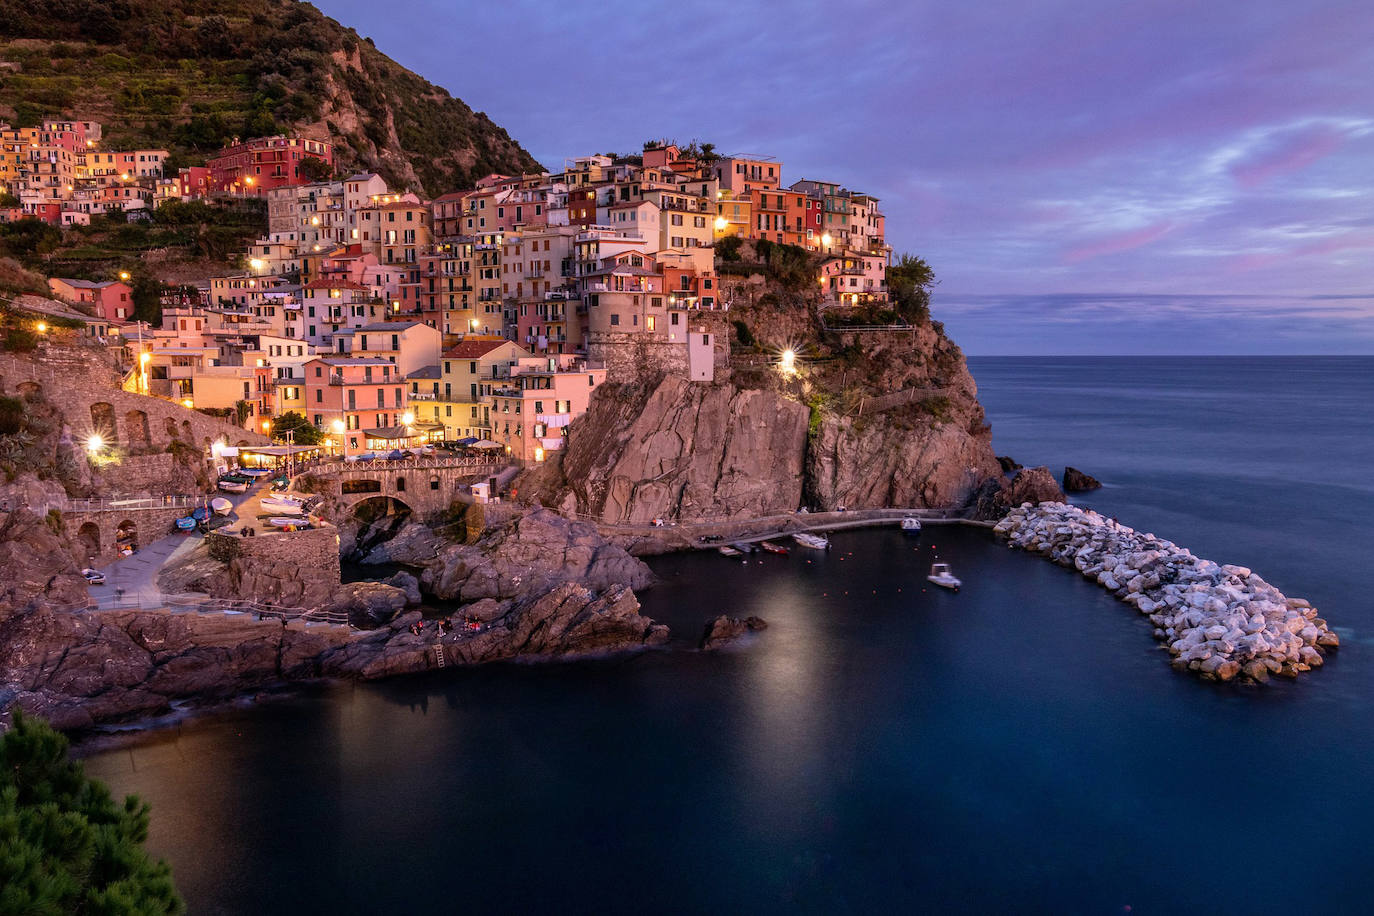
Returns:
point(258, 165)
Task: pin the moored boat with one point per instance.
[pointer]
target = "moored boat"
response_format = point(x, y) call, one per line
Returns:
point(943, 576)
point(221, 506)
point(288, 524)
point(229, 485)
point(726, 550)
point(911, 525)
point(186, 523)
point(814, 541)
point(770, 547)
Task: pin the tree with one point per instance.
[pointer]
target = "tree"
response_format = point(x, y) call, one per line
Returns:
point(303, 431)
point(908, 286)
point(313, 168)
point(147, 295)
point(65, 846)
point(8, 200)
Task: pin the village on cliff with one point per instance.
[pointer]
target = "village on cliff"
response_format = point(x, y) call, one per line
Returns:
point(389, 322)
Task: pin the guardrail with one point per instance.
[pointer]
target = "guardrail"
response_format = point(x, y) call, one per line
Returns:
point(204, 604)
point(400, 464)
point(132, 504)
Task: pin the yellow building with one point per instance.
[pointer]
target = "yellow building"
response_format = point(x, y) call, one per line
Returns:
point(467, 375)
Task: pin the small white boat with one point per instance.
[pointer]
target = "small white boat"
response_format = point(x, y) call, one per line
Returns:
point(911, 525)
point(253, 472)
point(93, 576)
point(941, 575)
point(233, 486)
point(282, 508)
point(290, 524)
point(726, 550)
point(221, 506)
point(814, 541)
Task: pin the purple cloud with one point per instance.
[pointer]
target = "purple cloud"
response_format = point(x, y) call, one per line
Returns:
point(1115, 244)
point(1287, 153)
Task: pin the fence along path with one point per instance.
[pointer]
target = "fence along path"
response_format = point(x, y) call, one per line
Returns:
point(204, 604)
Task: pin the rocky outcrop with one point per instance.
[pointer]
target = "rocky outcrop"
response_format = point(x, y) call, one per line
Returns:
point(1223, 622)
point(725, 630)
point(685, 451)
point(80, 669)
point(36, 567)
point(1029, 485)
point(1009, 464)
point(1075, 481)
point(369, 604)
point(531, 554)
point(886, 460)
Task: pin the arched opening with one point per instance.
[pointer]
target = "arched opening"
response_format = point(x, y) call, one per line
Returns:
point(400, 484)
point(103, 421)
point(30, 390)
point(88, 541)
point(126, 538)
point(170, 425)
point(361, 486)
point(186, 431)
point(136, 429)
point(374, 520)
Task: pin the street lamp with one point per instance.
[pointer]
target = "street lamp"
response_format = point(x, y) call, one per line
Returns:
point(42, 327)
point(788, 362)
point(408, 418)
point(124, 275)
point(257, 263)
point(94, 443)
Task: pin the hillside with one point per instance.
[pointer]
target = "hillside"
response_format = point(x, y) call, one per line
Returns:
point(192, 76)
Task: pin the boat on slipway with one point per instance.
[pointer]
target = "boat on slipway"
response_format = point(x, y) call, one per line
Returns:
point(814, 541)
point(770, 547)
point(911, 525)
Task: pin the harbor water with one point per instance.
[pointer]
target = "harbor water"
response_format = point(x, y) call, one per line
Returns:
point(1022, 745)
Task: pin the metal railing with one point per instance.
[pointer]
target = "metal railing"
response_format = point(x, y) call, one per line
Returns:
point(204, 604)
point(398, 464)
point(109, 505)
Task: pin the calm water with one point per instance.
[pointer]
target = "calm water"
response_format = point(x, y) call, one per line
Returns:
point(1021, 746)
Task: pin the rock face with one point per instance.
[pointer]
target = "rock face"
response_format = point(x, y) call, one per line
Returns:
point(1223, 622)
point(679, 450)
point(79, 669)
point(889, 462)
point(36, 566)
point(530, 555)
point(1075, 481)
point(725, 630)
point(370, 604)
point(1008, 464)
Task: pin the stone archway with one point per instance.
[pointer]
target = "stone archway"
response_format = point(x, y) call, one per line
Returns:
point(170, 425)
point(136, 429)
point(126, 537)
point(186, 431)
point(88, 541)
point(103, 421)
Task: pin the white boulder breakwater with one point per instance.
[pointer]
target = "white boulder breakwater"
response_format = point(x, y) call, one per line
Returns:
point(1224, 622)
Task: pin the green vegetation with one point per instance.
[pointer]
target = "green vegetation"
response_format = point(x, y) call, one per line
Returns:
point(791, 267)
point(908, 286)
point(303, 431)
point(743, 334)
point(8, 200)
point(65, 846)
point(191, 75)
point(11, 416)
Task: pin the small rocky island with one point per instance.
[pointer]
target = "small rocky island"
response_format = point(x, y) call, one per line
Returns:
point(1223, 622)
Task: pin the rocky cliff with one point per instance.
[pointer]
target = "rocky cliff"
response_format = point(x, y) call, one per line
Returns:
point(870, 415)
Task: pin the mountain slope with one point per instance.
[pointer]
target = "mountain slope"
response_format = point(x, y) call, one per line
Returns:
point(190, 76)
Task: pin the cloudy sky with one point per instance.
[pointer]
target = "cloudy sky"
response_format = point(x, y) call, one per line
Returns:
point(1106, 177)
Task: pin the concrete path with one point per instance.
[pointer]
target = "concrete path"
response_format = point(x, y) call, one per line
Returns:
point(136, 574)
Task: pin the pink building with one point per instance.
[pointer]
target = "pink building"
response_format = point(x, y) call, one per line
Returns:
point(530, 414)
point(357, 401)
point(256, 166)
point(110, 300)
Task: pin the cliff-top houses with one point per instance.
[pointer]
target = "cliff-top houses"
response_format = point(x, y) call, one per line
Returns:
point(486, 313)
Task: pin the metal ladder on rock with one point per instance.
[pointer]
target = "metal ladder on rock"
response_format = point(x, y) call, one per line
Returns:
point(439, 655)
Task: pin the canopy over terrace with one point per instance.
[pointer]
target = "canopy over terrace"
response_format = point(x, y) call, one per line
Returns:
point(275, 456)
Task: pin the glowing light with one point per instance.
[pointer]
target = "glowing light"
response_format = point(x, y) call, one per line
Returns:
point(788, 360)
point(42, 327)
point(144, 357)
point(721, 223)
point(314, 220)
point(123, 275)
point(94, 443)
point(337, 426)
point(538, 454)
point(188, 403)
point(408, 418)
point(825, 240)
point(266, 425)
point(124, 177)
point(257, 263)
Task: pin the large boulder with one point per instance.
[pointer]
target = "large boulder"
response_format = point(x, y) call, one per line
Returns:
point(528, 556)
point(1029, 485)
point(369, 604)
point(1075, 481)
point(725, 629)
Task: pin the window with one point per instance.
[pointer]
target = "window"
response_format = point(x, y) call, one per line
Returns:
point(319, 396)
point(615, 319)
point(650, 323)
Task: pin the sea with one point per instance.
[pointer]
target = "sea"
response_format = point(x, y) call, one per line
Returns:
point(1020, 746)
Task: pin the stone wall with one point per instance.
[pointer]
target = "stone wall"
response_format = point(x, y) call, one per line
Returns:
point(629, 354)
point(84, 385)
point(93, 534)
point(298, 569)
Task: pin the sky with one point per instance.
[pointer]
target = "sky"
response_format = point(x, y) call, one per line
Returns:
point(1125, 177)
